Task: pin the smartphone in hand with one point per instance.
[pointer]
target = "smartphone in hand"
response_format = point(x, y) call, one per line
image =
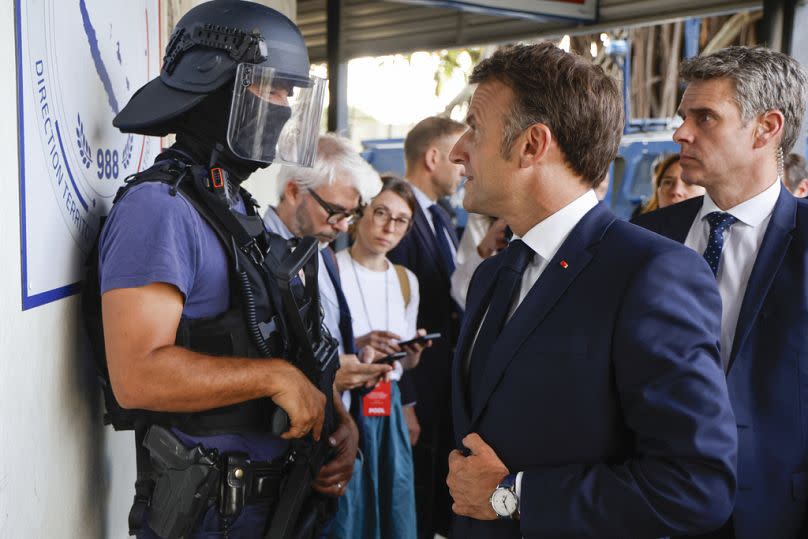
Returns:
point(422, 339)
point(391, 358)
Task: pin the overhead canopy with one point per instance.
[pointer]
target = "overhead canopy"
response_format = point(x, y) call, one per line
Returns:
point(374, 28)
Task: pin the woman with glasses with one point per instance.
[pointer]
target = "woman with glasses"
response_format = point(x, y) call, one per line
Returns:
point(383, 299)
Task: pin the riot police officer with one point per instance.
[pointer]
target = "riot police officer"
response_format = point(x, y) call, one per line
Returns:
point(207, 340)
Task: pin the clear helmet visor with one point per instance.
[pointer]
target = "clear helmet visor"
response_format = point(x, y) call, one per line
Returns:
point(275, 118)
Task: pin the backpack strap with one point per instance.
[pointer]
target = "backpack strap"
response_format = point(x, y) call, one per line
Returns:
point(404, 282)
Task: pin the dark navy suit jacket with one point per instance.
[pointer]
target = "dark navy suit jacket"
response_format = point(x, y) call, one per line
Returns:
point(605, 389)
point(768, 371)
point(428, 384)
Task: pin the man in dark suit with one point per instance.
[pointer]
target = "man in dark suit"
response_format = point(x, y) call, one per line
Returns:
point(742, 110)
point(430, 250)
point(588, 398)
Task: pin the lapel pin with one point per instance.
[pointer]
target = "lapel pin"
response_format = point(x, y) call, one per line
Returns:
point(564, 264)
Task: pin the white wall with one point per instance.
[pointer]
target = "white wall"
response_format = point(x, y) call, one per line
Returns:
point(52, 457)
point(62, 475)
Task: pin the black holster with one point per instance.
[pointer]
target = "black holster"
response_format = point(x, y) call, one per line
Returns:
point(185, 482)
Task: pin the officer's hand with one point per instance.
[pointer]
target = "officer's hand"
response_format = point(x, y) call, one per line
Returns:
point(302, 402)
point(352, 373)
point(385, 342)
point(334, 476)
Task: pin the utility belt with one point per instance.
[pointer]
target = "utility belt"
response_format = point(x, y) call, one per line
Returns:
point(184, 483)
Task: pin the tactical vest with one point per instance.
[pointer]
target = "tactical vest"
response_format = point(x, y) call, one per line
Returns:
point(255, 324)
point(271, 314)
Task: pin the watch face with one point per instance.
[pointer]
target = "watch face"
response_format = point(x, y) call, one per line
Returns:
point(504, 502)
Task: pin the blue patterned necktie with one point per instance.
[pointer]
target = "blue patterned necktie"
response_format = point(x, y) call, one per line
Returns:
point(719, 222)
point(509, 278)
point(441, 222)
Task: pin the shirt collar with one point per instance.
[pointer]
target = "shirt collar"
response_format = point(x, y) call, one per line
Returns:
point(274, 223)
point(424, 201)
point(751, 212)
point(546, 237)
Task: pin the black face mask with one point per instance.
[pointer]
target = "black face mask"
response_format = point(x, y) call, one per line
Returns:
point(204, 128)
point(274, 117)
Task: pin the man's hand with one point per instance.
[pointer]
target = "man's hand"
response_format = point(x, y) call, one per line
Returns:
point(352, 373)
point(473, 479)
point(302, 402)
point(414, 350)
point(334, 476)
point(494, 239)
point(385, 342)
point(412, 424)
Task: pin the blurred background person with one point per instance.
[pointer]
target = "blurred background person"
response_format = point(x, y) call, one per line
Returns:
point(796, 175)
point(668, 186)
point(383, 299)
point(482, 238)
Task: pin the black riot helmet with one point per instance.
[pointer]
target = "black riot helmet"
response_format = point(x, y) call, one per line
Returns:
point(274, 99)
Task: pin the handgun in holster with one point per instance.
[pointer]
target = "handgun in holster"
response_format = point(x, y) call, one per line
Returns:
point(186, 482)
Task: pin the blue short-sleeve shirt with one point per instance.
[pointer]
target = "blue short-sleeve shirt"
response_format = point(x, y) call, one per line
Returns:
point(151, 236)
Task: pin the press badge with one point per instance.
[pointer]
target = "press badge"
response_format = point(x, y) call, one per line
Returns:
point(377, 402)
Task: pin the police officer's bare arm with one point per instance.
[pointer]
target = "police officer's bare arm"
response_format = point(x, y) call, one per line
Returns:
point(148, 371)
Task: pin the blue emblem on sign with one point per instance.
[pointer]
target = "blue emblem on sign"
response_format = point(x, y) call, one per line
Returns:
point(78, 62)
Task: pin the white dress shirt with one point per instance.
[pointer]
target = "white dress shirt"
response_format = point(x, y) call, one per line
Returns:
point(545, 238)
point(741, 244)
point(425, 202)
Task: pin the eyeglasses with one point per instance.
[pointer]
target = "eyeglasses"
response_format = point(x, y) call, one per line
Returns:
point(335, 214)
point(382, 216)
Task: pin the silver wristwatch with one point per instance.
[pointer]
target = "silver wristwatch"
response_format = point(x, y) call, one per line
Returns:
point(504, 500)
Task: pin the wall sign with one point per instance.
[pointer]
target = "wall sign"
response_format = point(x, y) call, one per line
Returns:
point(78, 63)
point(577, 10)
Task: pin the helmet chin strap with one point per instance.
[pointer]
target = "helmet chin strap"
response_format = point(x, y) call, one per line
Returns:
point(215, 154)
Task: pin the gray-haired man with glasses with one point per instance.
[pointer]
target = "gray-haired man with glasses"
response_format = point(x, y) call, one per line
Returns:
point(336, 213)
point(323, 201)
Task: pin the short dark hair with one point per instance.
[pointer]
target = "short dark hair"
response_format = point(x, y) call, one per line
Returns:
point(425, 133)
point(795, 170)
point(569, 94)
point(764, 80)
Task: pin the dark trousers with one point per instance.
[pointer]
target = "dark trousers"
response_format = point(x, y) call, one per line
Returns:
point(727, 531)
point(250, 524)
point(431, 465)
